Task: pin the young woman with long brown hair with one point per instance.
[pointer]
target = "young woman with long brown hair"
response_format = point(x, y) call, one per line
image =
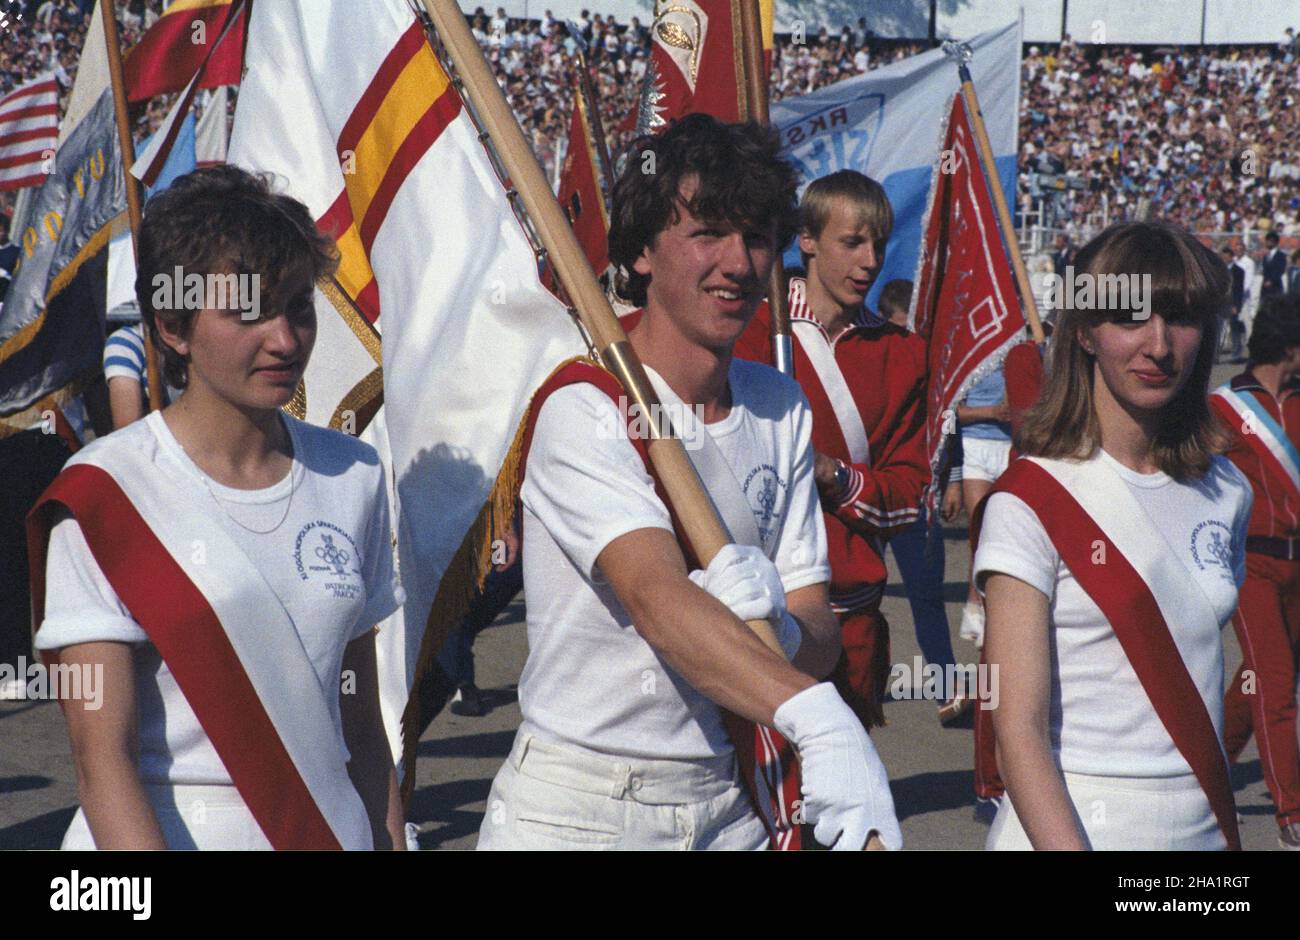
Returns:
point(1110, 555)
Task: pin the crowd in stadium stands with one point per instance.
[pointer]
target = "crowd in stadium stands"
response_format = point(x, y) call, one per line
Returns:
point(1204, 136)
point(47, 36)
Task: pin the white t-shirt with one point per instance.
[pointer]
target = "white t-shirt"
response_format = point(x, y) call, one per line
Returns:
point(330, 562)
point(591, 681)
point(1101, 720)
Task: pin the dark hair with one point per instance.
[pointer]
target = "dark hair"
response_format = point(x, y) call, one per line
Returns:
point(1271, 238)
point(1189, 282)
point(896, 295)
point(1276, 328)
point(743, 181)
point(224, 220)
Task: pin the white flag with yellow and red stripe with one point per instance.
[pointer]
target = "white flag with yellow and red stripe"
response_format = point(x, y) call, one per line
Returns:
point(346, 102)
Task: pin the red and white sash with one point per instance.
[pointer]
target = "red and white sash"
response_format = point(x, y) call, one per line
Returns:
point(1262, 433)
point(1142, 589)
point(821, 353)
point(767, 762)
point(225, 636)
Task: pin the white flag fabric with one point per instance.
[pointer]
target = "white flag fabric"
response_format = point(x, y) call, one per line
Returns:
point(346, 102)
point(210, 137)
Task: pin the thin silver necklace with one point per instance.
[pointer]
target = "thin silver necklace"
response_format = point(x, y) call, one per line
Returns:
point(293, 485)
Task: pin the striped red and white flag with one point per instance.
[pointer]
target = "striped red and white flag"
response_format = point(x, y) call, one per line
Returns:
point(29, 127)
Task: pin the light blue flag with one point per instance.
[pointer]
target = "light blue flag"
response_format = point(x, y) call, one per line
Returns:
point(180, 161)
point(889, 125)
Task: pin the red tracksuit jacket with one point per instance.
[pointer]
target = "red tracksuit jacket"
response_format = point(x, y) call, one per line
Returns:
point(884, 366)
point(1276, 513)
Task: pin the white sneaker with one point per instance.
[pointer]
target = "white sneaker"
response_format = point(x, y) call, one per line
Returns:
point(972, 623)
point(13, 690)
point(412, 837)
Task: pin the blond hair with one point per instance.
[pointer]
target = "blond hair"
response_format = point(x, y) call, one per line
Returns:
point(864, 195)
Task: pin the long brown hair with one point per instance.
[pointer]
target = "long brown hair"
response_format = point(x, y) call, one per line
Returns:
point(1188, 283)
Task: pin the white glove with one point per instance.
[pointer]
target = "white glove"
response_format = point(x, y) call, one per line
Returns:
point(972, 623)
point(748, 584)
point(845, 789)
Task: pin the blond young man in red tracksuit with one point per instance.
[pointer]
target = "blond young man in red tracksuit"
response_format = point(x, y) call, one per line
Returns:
point(865, 380)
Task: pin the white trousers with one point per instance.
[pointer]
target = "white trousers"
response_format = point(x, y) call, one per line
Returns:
point(1127, 814)
point(550, 797)
point(191, 817)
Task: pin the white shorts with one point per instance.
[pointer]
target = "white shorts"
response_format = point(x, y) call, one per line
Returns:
point(1127, 814)
point(984, 458)
point(191, 817)
point(550, 797)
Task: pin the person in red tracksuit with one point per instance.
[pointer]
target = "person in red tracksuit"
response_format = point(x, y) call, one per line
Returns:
point(865, 380)
point(1261, 697)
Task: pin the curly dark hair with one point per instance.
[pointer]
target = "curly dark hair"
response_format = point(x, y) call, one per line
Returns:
point(743, 181)
point(225, 220)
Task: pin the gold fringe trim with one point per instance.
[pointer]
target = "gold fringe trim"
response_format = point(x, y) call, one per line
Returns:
point(24, 420)
point(92, 247)
point(20, 340)
point(359, 325)
point(23, 338)
point(363, 401)
point(297, 405)
point(462, 582)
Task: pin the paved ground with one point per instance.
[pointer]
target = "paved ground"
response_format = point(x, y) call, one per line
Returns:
point(929, 766)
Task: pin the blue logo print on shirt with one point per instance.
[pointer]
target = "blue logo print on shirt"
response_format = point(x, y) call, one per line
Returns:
point(763, 488)
point(324, 552)
point(1212, 547)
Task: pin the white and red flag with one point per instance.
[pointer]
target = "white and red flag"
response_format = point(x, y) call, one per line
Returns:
point(697, 59)
point(211, 137)
point(29, 127)
point(347, 105)
point(181, 40)
point(152, 162)
point(965, 304)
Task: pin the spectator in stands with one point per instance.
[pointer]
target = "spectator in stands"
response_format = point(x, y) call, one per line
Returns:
point(1236, 327)
point(1274, 267)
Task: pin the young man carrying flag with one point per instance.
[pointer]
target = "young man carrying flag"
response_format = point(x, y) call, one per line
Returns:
point(634, 655)
point(865, 380)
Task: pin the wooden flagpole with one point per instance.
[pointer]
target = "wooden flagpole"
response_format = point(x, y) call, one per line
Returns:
point(755, 96)
point(754, 107)
point(962, 54)
point(127, 147)
point(704, 526)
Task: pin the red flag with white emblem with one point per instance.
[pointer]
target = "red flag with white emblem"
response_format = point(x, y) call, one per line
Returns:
point(965, 304)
